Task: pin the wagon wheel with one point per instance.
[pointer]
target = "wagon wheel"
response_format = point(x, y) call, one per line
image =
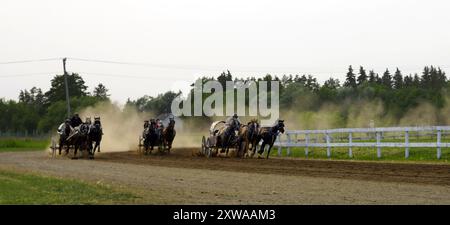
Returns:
point(208, 149)
point(203, 151)
point(53, 148)
point(140, 145)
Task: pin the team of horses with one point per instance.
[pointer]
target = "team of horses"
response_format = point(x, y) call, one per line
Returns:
point(247, 138)
point(244, 137)
point(84, 137)
point(155, 135)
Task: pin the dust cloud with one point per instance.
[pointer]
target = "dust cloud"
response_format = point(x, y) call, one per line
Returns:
point(362, 114)
point(121, 127)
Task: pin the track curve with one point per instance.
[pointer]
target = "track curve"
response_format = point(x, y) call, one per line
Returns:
point(417, 173)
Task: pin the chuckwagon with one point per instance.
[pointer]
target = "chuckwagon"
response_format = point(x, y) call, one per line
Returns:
point(221, 138)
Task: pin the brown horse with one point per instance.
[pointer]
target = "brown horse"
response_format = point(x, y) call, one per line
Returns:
point(248, 136)
point(168, 135)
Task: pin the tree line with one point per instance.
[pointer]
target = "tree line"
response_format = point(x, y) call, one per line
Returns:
point(40, 112)
point(37, 112)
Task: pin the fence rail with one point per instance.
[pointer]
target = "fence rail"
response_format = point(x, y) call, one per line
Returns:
point(290, 139)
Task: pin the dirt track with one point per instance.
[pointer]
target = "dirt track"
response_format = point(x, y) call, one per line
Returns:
point(386, 172)
point(181, 178)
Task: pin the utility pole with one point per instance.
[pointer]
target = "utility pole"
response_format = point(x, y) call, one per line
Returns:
point(67, 87)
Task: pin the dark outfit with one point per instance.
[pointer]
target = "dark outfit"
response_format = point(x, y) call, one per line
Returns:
point(75, 121)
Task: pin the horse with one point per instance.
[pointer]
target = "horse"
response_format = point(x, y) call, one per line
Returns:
point(168, 135)
point(226, 135)
point(151, 137)
point(79, 139)
point(63, 138)
point(247, 136)
point(95, 135)
point(268, 135)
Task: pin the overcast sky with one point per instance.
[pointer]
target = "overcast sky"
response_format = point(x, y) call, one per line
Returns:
point(190, 38)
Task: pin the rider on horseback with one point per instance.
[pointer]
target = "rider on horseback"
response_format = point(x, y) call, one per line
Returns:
point(159, 127)
point(75, 121)
point(62, 127)
point(231, 120)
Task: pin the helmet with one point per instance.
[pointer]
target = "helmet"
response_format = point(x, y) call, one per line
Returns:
point(235, 115)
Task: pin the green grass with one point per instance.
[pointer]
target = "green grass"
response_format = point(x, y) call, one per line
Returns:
point(366, 153)
point(361, 153)
point(23, 144)
point(21, 188)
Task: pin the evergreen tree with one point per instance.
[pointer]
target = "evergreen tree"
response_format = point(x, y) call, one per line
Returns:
point(372, 77)
point(398, 79)
point(350, 80)
point(408, 81)
point(386, 79)
point(416, 81)
point(224, 77)
point(425, 80)
point(362, 78)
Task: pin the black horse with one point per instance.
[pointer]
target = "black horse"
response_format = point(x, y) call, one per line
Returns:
point(268, 135)
point(152, 137)
point(226, 136)
point(80, 139)
point(168, 135)
point(94, 136)
point(63, 138)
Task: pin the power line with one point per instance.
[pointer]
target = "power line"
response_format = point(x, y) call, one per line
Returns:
point(164, 66)
point(128, 76)
point(29, 61)
point(28, 74)
point(237, 69)
point(267, 70)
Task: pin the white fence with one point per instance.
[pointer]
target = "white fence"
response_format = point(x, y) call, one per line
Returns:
point(364, 137)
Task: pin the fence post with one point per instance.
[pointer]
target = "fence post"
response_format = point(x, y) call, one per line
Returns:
point(378, 145)
point(306, 144)
point(288, 144)
point(279, 145)
point(406, 144)
point(350, 140)
point(328, 144)
point(439, 144)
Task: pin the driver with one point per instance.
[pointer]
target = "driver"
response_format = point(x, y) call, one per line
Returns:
point(62, 127)
point(75, 121)
point(233, 118)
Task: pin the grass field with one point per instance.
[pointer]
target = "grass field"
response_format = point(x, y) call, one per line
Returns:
point(365, 153)
point(387, 154)
point(21, 188)
point(23, 144)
